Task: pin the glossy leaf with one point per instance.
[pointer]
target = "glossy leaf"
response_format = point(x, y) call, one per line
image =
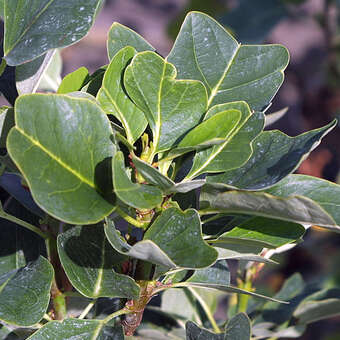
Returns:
point(172, 107)
point(321, 305)
point(194, 332)
point(294, 208)
point(139, 196)
point(241, 252)
point(234, 152)
point(91, 264)
point(275, 156)
point(113, 98)
point(214, 130)
point(205, 51)
point(153, 176)
point(266, 232)
point(29, 75)
point(74, 81)
point(74, 329)
point(238, 328)
point(121, 36)
point(179, 235)
point(62, 147)
point(23, 290)
point(62, 22)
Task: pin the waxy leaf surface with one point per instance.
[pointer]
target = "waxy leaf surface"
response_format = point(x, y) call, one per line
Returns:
point(92, 266)
point(121, 36)
point(238, 328)
point(139, 196)
point(235, 150)
point(62, 22)
point(113, 98)
point(62, 146)
point(75, 329)
point(172, 107)
point(179, 235)
point(205, 51)
point(25, 293)
point(275, 156)
point(194, 332)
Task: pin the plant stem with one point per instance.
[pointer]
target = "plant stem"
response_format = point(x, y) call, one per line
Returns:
point(24, 224)
point(242, 303)
point(87, 309)
point(115, 314)
point(130, 219)
point(206, 309)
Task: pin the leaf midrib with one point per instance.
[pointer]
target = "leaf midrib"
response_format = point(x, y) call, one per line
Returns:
point(28, 27)
point(57, 159)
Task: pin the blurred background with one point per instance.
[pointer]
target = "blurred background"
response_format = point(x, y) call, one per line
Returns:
point(310, 29)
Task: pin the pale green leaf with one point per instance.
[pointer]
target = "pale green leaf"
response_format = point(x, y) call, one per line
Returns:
point(140, 196)
point(62, 147)
point(172, 107)
point(32, 28)
point(25, 293)
point(121, 36)
point(275, 156)
point(272, 118)
point(205, 51)
point(74, 81)
point(6, 123)
point(113, 98)
point(92, 266)
point(75, 329)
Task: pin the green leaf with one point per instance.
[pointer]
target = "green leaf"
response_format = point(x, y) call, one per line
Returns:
point(321, 305)
point(214, 130)
point(153, 176)
point(172, 107)
point(235, 151)
point(179, 235)
point(139, 196)
point(277, 204)
point(74, 81)
point(62, 147)
point(91, 264)
point(205, 51)
point(265, 232)
point(6, 123)
point(25, 293)
point(217, 274)
point(238, 328)
point(121, 36)
point(275, 156)
point(113, 98)
point(194, 332)
point(29, 75)
point(62, 22)
point(74, 329)
point(240, 251)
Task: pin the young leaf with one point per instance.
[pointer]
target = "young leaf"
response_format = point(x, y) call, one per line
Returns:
point(235, 150)
point(25, 293)
point(72, 329)
point(74, 81)
point(275, 156)
point(205, 51)
point(179, 235)
point(153, 176)
point(121, 36)
point(238, 328)
point(172, 107)
point(113, 98)
point(140, 196)
point(91, 264)
point(61, 145)
point(62, 22)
